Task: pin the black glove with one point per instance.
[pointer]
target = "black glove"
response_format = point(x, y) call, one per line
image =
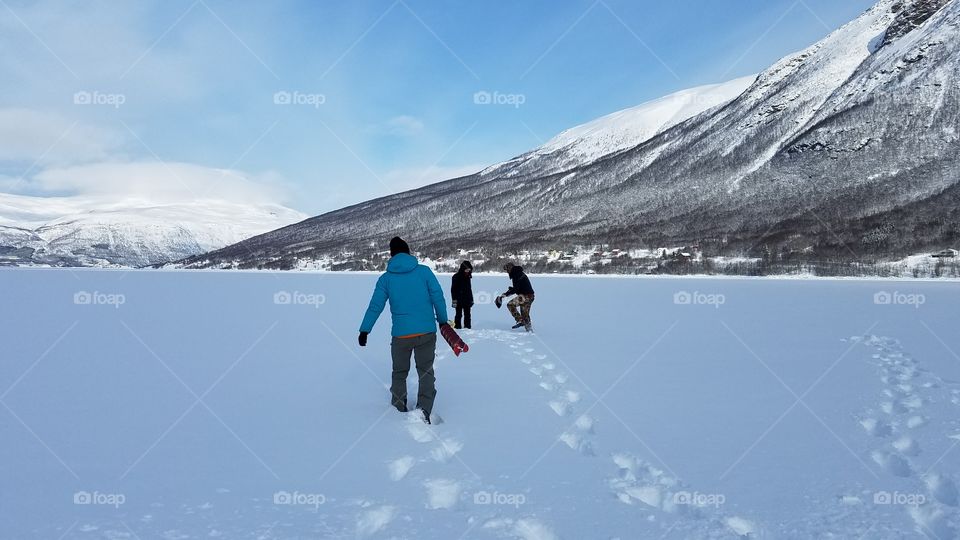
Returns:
point(498, 301)
point(363, 339)
point(454, 304)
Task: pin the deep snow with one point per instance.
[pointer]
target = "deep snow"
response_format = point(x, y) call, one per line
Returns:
point(192, 405)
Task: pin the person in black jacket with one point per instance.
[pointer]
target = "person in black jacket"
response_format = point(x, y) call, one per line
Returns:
point(520, 306)
point(462, 293)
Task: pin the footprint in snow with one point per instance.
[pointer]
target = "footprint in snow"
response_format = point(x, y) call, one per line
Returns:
point(916, 421)
point(907, 446)
point(578, 442)
point(875, 427)
point(525, 529)
point(640, 482)
point(400, 467)
point(446, 450)
point(942, 488)
point(418, 430)
point(585, 423)
point(562, 408)
point(442, 493)
point(892, 463)
point(372, 521)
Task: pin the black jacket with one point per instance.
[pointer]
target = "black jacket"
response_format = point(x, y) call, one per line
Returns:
point(462, 291)
point(521, 283)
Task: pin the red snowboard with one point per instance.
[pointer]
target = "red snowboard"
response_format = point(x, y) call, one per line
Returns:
point(453, 339)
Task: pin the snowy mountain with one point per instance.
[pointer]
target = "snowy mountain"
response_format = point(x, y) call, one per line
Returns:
point(620, 130)
point(78, 231)
point(847, 149)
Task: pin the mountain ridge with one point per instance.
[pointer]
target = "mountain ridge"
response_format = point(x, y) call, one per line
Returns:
point(827, 137)
point(80, 231)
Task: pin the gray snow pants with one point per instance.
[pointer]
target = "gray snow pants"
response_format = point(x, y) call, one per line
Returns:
point(424, 349)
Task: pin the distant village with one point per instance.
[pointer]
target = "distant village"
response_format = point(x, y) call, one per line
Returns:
point(678, 260)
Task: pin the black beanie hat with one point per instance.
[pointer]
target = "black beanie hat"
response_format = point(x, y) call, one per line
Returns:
point(398, 245)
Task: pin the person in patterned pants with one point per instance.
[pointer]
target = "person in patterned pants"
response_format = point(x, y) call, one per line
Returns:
point(520, 305)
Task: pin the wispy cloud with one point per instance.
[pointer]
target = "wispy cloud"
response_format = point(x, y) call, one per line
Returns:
point(160, 182)
point(44, 137)
point(401, 126)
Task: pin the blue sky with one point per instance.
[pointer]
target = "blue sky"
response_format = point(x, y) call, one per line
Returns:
point(383, 91)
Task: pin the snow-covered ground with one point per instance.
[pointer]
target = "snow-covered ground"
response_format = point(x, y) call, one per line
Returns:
point(151, 404)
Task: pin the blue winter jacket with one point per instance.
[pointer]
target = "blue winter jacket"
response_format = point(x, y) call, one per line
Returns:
point(415, 297)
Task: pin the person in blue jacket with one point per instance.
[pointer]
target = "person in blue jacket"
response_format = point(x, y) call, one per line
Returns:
point(416, 306)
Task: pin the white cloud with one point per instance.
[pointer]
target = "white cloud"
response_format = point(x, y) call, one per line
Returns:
point(47, 48)
point(160, 183)
point(47, 137)
point(403, 125)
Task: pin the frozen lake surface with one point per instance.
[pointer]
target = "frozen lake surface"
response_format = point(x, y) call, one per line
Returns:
point(175, 405)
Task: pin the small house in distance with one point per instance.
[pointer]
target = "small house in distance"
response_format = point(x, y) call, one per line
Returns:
point(946, 254)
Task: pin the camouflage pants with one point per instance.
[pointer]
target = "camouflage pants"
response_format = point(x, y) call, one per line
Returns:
point(519, 307)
